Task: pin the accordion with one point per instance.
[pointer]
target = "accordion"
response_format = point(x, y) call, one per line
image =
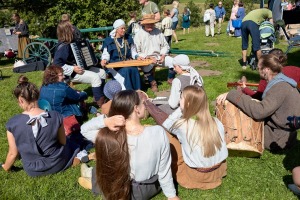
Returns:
point(84, 54)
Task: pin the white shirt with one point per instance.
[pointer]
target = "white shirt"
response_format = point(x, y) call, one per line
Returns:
point(194, 158)
point(166, 25)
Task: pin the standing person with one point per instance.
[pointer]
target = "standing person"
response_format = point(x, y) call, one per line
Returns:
point(133, 25)
point(220, 15)
point(37, 136)
point(280, 99)
point(234, 10)
point(174, 16)
point(186, 23)
point(210, 24)
point(119, 46)
point(132, 161)
point(197, 139)
point(64, 57)
point(239, 16)
point(77, 36)
point(151, 43)
point(21, 29)
point(166, 26)
point(150, 7)
point(250, 26)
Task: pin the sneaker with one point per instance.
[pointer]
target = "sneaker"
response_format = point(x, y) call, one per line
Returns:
point(86, 171)
point(154, 87)
point(244, 67)
point(85, 182)
point(76, 162)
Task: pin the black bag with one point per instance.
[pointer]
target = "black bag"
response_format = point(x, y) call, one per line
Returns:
point(29, 67)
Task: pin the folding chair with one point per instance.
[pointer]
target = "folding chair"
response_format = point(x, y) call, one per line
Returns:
point(292, 41)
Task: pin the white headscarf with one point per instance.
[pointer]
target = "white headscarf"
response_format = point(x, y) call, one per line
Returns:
point(183, 62)
point(117, 24)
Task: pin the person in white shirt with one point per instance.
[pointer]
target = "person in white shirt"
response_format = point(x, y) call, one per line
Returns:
point(198, 145)
point(166, 26)
point(132, 160)
point(151, 43)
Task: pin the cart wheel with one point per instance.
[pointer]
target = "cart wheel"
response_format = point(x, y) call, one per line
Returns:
point(36, 51)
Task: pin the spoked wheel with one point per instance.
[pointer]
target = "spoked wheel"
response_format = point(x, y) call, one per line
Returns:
point(36, 51)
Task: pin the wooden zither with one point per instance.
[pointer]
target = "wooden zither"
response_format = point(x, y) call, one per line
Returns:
point(244, 136)
point(130, 63)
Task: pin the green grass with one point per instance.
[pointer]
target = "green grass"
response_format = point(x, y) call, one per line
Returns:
point(256, 178)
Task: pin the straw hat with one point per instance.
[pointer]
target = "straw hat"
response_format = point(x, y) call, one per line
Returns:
point(149, 19)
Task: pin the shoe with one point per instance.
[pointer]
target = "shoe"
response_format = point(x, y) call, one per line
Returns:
point(85, 182)
point(154, 87)
point(76, 162)
point(244, 67)
point(294, 188)
point(101, 101)
point(86, 171)
point(170, 80)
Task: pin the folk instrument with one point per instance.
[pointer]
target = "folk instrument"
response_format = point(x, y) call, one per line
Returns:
point(130, 63)
point(234, 84)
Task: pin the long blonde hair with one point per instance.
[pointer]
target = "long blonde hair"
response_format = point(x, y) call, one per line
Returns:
point(205, 132)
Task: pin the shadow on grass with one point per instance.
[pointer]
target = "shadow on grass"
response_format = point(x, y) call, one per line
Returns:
point(6, 62)
point(288, 179)
point(291, 160)
point(293, 58)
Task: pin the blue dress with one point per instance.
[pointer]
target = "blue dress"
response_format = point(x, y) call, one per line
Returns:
point(120, 53)
point(43, 154)
point(186, 23)
point(239, 15)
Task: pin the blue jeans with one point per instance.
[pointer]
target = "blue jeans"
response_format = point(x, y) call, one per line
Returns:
point(252, 29)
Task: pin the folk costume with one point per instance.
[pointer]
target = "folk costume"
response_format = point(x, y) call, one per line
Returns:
point(121, 49)
point(23, 38)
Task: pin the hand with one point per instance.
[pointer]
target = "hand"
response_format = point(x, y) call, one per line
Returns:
point(174, 198)
point(103, 63)
point(154, 60)
point(162, 59)
point(78, 70)
point(221, 98)
point(140, 58)
point(114, 122)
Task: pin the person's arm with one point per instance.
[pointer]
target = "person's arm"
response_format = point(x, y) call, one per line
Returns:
point(12, 152)
point(23, 29)
point(158, 115)
point(155, 10)
point(61, 136)
point(164, 46)
point(224, 13)
point(174, 97)
point(74, 95)
point(164, 171)
point(105, 57)
point(134, 53)
point(172, 13)
point(170, 121)
point(157, 16)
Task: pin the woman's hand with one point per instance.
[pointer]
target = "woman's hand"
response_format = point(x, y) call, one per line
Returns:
point(103, 63)
point(78, 70)
point(174, 198)
point(162, 59)
point(221, 98)
point(114, 122)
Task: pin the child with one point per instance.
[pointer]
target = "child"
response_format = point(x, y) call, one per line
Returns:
point(198, 146)
point(210, 24)
point(166, 25)
point(186, 23)
point(187, 76)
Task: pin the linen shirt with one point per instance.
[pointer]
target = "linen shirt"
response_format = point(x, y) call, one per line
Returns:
point(153, 43)
point(166, 25)
point(194, 157)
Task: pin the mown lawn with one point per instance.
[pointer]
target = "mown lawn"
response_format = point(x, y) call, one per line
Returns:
point(248, 178)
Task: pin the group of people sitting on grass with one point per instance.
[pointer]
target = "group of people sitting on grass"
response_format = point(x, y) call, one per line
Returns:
point(133, 160)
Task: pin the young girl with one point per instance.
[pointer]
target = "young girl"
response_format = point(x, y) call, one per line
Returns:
point(166, 25)
point(37, 136)
point(186, 23)
point(187, 76)
point(199, 148)
point(132, 159)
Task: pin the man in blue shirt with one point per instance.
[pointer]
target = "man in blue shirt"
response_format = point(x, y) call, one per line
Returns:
point(220, 15)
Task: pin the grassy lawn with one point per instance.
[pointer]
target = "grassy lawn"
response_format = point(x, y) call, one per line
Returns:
point(256, 178)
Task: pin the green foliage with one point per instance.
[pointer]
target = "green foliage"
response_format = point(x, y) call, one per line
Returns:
point(227, 4)
point(196, 17)
point(5, 18)
point(44, 15)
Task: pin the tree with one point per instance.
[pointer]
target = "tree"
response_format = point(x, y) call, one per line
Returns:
point(42, 15)
point(195, 13)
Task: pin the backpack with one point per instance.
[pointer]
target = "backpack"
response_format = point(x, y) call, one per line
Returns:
point(185, 18)
point(206, 16)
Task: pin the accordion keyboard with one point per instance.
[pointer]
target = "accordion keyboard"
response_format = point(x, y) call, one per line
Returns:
point(84, 54)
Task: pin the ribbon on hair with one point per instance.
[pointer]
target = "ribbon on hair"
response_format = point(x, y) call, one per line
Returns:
point(37, 121)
